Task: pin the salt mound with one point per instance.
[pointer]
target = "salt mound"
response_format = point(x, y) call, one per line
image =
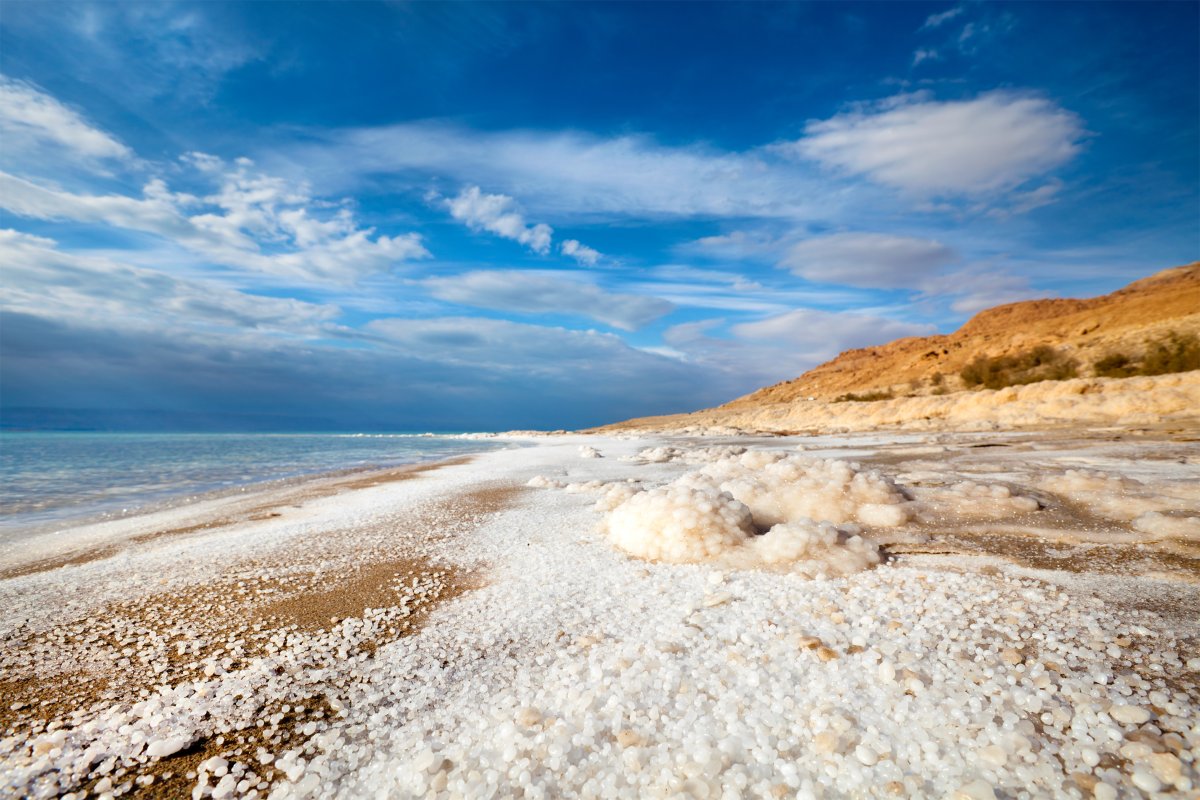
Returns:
point(616, 494)
point(827, 549)
point(655, 455)
point(1166, 526)
point(542, 482)
point(679, 524)
point(589, 452)
point(968, 499)
point(782, 488)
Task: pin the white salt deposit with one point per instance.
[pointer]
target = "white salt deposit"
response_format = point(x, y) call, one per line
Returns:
point(971, 500)
point(679, 524)
point(1168, 526)
point(783, 488)
point(779, 667)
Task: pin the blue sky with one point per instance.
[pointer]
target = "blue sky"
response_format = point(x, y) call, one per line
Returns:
point(460, 216)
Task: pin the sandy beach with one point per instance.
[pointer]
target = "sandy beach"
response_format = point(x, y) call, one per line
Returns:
point(981, 615)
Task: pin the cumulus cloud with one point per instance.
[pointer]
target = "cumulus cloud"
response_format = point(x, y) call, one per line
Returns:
point(580, 252)
point(498, 214)
point(992, 143)
point(251, 221)
point(868, 260)
point(542, 293)
point(30, 119)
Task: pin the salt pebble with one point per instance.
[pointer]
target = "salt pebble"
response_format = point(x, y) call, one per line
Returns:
point(975, 790)
point(161, 748)
point(1131, 715)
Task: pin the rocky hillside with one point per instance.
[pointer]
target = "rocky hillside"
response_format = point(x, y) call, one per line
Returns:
point(1083, 330)
point(1099, 354)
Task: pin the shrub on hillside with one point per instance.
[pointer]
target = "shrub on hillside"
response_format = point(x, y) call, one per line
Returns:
point(1174, 352)
point(1042, 363)
point(865, 397)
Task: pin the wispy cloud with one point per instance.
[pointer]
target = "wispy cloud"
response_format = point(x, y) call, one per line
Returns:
point(937, 20)
point(561, 174)
point(923, 55)
point(42, 280)
point(545, 293)
point(783, 345)
point(32, 121)
point(869, 260)
point(977, 287)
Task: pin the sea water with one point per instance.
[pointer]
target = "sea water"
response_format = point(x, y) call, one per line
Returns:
point(50, 479)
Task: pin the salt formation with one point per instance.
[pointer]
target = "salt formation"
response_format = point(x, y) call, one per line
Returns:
point(781, 488)
point(714, 513)
point(816, 548)
point(1168, 526)
point(679, 524)
point(586, 451)
point(542, 482)
point(572, 671)
point(1126, 500)
point(968, 499)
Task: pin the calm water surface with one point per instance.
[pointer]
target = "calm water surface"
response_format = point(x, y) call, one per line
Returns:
point(47, 478)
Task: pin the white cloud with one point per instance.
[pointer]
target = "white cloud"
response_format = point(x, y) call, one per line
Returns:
point(867, 260)
point(33, 121)
point(580, 252)
point(823, 334)
point(1023, 202)
point(783, 346)
point(977, 288)
point(924, 55)
point(564, 173)
point(42, 280)
point(252, 221)
point(497, 344)
point(990, 144)
point(936, 20)
point(498, 214)
point(541, 293)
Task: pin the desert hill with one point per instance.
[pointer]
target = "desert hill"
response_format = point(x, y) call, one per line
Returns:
point(919, 381)
point(1086, 329)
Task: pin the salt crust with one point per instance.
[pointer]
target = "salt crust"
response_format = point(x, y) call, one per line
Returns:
point(715, 513)
point(1162, 510)
point(580, 673)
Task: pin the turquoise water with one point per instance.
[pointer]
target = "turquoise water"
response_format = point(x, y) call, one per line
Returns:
point(54, 477)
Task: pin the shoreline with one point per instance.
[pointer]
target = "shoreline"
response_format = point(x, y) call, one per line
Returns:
point(186, 513)
point(421, 623)
point(44, 520)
